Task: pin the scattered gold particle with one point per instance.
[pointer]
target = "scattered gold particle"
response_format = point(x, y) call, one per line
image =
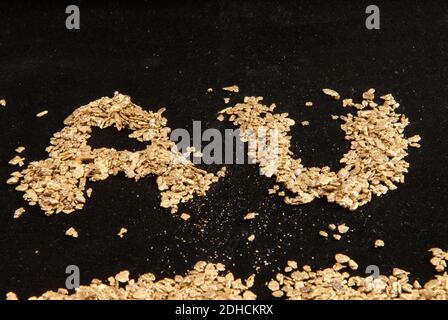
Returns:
point(337, 236)
point(17, 160)
point(250, 215)
point(323, 234)
point(233, 88)
point(42, 114)
point(71, 232)
point(352, 264)
point(13, 180)
point(369, 94)
point(308, 104)
point(122, 232)
point(439, 259)
point(89, 192)
point(334, 117)
point(341, 258)
point(379, 243)
point(18, 213)
point(11, 296)
point(226, 100)
point(209, 90)
point(347, 103)
point(305, 123)
point(20, 149)
point(331, 93)
point(122, 276)
point(273, 285)
point(332, 226)
point(413, 141)
point(3, 102)
point(185, 216)
point(251, 238)
point(277, 294)
point(342, 228)
point(220, 117)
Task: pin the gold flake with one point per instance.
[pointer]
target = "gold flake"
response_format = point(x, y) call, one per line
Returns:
point(42, 114)
point(122, 232)
point(379, 243)
point(233, 88)
point(347, 103)
point(250, 215)
point(369, 94)
point(185, 216)
point(341, 258)
point(277, 294)
point(20, 149)
point(331, 93)
point(323, 234)
point(352, 264)
point(19, 212)
point(17, 160)
point(122, 276)
point(11, 296)
point(273, 285)
point(342, 228)
point(12, 180)
point(71, 232)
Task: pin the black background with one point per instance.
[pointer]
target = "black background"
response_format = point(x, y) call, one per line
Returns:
point(168, 55)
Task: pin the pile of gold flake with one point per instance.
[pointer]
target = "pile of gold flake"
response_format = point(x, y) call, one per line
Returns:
point(373, 165)
point(58, 183)
point(207, 281)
